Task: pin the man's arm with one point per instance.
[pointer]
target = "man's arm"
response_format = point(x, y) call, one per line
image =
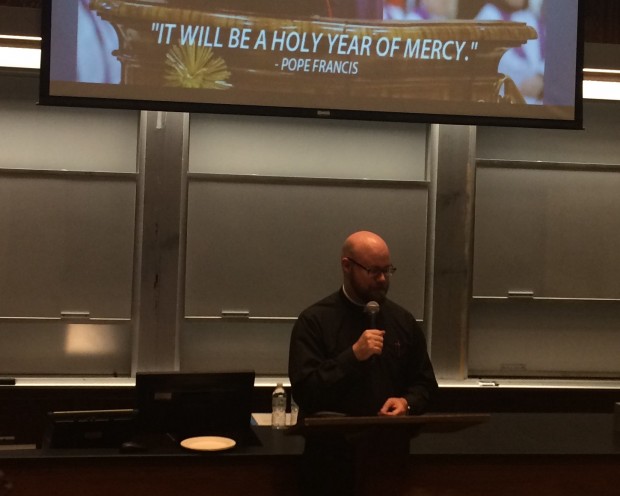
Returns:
point(317, 379)
point(421, 381)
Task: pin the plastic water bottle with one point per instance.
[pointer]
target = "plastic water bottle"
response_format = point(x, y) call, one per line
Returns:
point(278, 407)
point(294, 412)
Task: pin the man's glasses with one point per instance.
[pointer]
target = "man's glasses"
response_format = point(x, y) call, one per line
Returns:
point(375, 271)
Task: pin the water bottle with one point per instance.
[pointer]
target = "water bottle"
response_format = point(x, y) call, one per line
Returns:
point(294, 412)
point(278, 407)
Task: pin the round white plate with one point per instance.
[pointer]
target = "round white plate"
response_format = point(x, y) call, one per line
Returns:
point(208, 443)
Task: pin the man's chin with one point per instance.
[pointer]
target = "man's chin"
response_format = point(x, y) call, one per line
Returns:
point(378, 296)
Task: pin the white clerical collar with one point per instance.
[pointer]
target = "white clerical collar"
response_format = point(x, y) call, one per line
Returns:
point(351, 299)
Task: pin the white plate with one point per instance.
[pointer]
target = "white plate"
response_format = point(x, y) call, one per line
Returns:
point(208, 443)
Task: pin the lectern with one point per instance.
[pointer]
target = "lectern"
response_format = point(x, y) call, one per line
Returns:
point(380, 445)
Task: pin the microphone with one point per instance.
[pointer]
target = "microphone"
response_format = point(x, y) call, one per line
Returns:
point(372, 309)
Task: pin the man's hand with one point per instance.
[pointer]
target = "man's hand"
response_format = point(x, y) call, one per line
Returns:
point(395, 407)
point(370, 343)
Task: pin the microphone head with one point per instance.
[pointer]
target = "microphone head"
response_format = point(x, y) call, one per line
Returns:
point(372, 308)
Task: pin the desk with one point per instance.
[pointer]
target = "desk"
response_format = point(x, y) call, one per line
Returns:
point(511, 455)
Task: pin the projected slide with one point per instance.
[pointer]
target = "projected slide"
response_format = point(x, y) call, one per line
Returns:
point(508, 58)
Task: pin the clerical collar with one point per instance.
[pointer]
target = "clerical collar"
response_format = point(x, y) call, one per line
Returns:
point(351, 299)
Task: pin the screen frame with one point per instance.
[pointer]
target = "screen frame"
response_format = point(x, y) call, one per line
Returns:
point(46, 99)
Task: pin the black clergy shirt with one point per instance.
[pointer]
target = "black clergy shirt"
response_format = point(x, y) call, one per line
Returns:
point(326, 376)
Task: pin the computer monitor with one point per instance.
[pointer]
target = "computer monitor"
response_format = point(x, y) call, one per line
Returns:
point(179, 405)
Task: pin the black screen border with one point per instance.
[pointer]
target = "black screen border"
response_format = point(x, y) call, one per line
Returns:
point(46, 99)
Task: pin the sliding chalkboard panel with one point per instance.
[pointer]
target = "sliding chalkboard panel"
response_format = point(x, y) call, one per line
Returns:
point(272, 247)
point(550, 230)
point(66, 244)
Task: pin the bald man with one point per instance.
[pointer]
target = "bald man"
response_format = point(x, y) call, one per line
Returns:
point(338, 362)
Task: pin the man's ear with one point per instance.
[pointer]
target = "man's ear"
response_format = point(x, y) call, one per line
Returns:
point(346, 264)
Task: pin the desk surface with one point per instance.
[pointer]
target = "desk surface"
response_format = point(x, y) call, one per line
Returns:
point(527, 434)
point(523, 454)
point(502, 434)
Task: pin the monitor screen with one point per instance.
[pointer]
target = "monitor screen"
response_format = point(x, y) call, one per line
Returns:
point(505, 62)
point(182, 405)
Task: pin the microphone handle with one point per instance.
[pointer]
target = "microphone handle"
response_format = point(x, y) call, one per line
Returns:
point(373, 320)
point(374, 360)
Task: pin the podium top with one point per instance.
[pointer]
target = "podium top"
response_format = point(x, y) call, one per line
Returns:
point(433, 422)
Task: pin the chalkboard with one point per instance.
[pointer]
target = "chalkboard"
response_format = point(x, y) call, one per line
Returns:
point(67, 244)
point(273, 248)
point(550, 230)
point(233, 144)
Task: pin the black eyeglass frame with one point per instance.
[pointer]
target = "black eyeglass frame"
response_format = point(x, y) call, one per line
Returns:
point(374, 271)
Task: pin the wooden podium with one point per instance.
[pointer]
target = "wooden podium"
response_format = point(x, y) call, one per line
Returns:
point(380, 445)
